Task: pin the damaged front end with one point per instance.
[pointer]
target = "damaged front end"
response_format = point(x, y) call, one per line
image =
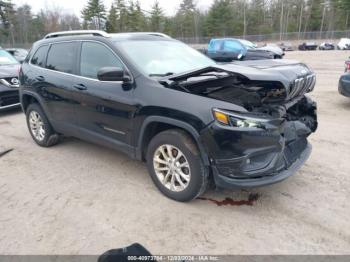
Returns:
point(266, 142)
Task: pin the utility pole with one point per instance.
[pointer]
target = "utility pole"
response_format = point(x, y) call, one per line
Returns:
point(244, 21)
point(300, 18)
point(281, 21)
point(323, 15)
point(287, 21)
point(195, 18)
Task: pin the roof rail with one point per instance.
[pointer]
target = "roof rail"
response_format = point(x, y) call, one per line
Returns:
point(158, 34)
point(77, 32)
point(138, 33)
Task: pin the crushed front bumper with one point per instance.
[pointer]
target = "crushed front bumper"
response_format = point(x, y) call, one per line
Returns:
point(251, 157)
point(229, 182)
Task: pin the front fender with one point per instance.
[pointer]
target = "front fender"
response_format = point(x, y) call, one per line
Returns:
point(174, 122)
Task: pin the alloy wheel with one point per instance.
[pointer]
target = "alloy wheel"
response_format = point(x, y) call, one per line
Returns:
point(172, 168)
point(36, 126)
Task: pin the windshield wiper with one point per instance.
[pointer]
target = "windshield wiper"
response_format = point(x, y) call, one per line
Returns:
point(166, 74)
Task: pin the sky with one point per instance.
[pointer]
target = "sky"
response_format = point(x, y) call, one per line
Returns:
point(75, 6)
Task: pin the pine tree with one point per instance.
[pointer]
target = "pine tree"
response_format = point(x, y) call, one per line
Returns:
point(94, 14)
point(157, 18)
point(122, 14)
point(136, 19)
point(316, 8)
point(112, 20)
point(187, 19)
point(141, 22)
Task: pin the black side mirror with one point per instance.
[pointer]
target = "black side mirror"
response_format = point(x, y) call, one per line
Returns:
point(112, 74)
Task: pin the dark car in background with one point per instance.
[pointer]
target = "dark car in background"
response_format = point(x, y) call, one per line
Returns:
point(240, 124)
point(344, 81)
point(230, 49)
point(307, 46)
point(18, 53)
point(9, 69)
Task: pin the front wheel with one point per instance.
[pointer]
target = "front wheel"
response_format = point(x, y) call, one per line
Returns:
point(176, 166)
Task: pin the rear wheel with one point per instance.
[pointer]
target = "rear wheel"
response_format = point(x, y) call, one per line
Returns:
point(175, 165)
point(39, 127)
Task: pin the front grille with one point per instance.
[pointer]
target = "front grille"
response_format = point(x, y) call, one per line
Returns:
point(302, 85)
point(9, 99)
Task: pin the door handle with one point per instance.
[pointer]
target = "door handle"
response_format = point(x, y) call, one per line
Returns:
point(80, 87)
point(40, 78)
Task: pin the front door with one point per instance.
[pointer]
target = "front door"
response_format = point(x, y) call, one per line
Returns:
point(106, 108)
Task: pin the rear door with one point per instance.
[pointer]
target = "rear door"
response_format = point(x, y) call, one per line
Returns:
point(54, 82)
point(107, 108)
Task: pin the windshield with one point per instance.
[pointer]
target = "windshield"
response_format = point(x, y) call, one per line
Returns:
point(21, 52)
point(158, 58)
point(6, 58)
point(247, 43)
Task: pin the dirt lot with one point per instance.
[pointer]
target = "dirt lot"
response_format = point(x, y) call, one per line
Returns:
point(78, 198)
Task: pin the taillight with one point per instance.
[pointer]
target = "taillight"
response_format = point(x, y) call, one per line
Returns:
point(347, 66)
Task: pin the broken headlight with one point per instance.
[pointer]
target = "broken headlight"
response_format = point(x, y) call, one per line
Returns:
point(236, 120)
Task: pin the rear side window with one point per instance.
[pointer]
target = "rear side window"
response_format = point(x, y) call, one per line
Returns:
point(40, 56)
point(62, 57)
point(232, 46)
point(94, 56)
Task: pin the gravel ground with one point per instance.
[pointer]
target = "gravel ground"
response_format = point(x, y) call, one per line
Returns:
point(78, 198)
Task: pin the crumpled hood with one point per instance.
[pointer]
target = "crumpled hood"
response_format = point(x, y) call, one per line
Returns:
point(9, 70)
point(282, 70)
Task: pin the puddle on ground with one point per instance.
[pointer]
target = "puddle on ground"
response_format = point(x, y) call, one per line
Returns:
point(252, 198)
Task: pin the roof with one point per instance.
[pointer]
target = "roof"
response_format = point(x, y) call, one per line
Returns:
point(104, 34)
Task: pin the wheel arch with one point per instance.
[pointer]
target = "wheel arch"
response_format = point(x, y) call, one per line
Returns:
point(27, 98)
point(160, 123)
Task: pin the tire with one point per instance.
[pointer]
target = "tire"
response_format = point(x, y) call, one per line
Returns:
point(196, 172)
point(47, 138)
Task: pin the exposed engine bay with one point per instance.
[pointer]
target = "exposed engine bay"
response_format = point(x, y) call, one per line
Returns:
point(259, 97)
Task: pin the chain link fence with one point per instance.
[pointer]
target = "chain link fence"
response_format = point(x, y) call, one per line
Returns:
point(294, 38)
point(318, 37)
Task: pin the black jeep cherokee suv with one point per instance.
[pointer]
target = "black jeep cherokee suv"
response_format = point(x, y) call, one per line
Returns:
point(241, 124)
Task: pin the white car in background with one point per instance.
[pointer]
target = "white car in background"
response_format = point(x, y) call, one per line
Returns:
point(344, 44)
point(272, 48)
point(279, 53)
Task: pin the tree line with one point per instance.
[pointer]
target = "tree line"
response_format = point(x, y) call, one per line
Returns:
point(19, 24)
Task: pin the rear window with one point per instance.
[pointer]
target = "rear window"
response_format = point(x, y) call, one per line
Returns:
point(215, 45)
point(62, 57)
point(40, 56)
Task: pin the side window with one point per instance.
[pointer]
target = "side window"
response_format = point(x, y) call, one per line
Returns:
point(40, 56)
point(215, 45)
point(94, 56)
point(232, 46)
point(62, 57)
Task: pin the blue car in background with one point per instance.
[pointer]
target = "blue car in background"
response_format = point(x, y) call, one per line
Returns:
point(229, 49)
